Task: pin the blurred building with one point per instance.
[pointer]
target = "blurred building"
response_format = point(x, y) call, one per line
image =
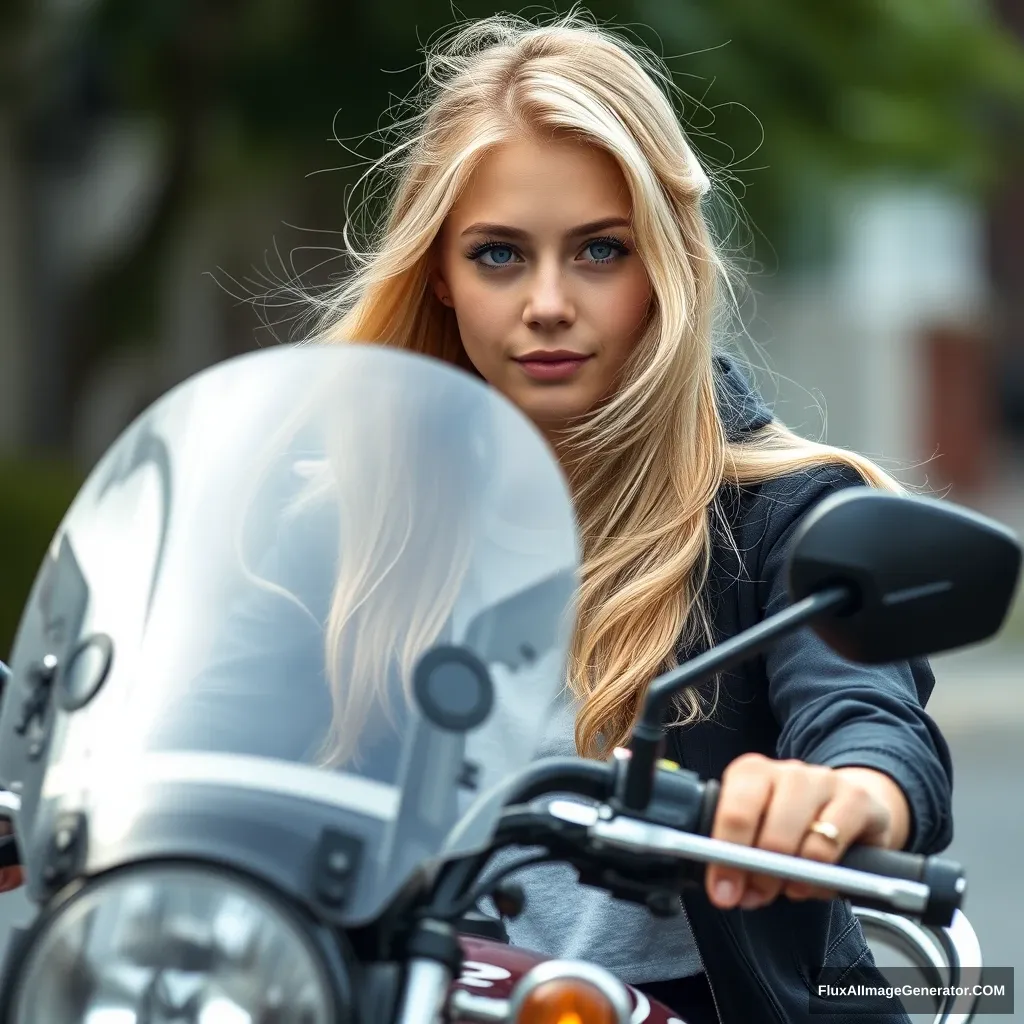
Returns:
point(886, 347)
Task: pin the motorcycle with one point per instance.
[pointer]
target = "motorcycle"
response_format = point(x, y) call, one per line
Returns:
point(276, 695)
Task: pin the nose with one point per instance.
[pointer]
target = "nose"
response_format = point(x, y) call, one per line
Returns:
point(548, 303)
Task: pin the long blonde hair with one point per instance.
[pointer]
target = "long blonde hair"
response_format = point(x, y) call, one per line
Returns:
point(648, 466)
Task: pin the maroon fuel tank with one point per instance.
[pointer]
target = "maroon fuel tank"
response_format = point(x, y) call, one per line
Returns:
point(492, 969)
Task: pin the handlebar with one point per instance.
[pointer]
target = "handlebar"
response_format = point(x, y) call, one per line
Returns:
point(593, 779)
point(679, 820)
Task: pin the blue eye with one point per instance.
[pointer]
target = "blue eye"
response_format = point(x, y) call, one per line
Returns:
point(501, 254)
point(604, 250)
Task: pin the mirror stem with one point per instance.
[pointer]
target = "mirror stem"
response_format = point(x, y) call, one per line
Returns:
point(637, 781)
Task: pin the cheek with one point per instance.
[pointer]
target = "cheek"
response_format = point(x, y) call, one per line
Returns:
point(483, 314)
point(622, 309)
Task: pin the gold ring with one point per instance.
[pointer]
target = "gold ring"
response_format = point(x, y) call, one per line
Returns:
point(826, 829)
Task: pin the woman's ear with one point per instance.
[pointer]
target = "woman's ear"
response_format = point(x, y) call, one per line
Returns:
point(437, 282)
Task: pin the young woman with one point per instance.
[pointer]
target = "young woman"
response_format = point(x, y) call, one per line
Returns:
point(548, 232)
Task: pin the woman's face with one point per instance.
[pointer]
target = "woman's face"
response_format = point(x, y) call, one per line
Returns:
point(537, 260)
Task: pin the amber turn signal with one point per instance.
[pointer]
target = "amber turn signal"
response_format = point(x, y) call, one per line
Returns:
point(568, 1001)
point(564, 992)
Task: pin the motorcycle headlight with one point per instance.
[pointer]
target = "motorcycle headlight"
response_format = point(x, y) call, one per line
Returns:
point(172, 945)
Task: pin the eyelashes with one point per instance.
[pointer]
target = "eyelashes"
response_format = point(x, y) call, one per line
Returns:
point(482, 248)
point(617, 246)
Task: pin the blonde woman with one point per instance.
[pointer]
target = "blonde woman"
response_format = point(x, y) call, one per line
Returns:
point(547, 231)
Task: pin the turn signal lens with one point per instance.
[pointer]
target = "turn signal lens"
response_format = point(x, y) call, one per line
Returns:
point(567, 1001)
point(569, 992)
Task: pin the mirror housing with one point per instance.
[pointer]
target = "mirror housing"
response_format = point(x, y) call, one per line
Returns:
point(929, 576)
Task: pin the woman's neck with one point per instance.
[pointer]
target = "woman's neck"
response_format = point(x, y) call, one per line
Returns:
point(559, 448)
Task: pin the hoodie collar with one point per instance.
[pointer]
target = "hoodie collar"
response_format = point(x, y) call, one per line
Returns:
point(740, 405)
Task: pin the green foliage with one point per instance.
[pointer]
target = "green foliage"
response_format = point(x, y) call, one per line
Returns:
point(798, 93)
point(15, 20)
point(851, 85)
point(786, 93)
point(35, 497)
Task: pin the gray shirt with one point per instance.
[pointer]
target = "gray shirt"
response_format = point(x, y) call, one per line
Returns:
point(564, 919)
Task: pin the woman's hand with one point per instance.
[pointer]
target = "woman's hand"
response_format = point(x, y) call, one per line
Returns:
point(772, 804)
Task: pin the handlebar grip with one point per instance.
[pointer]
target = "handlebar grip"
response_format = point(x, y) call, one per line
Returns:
point(945, 878)
point(891, 863)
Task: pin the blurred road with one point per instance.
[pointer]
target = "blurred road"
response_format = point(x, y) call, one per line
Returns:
point(979, 703)
point(989, 817)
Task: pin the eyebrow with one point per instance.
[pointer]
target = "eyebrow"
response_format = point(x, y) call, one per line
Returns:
point(584, 229)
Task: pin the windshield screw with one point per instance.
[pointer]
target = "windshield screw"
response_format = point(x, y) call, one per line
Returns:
point(339, 862)
point(337, 865)
point(66, 850)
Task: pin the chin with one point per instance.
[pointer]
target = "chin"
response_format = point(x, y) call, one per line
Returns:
point(548, 415)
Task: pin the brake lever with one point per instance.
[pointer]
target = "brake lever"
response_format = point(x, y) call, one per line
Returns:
point(630, 834)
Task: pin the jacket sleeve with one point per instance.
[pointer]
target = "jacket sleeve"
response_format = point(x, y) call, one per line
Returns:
point(837, 713)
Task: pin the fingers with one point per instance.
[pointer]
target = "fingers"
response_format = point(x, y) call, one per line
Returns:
point(771, 805)
point(857, 818)
point(746, 792)
point(800, 792)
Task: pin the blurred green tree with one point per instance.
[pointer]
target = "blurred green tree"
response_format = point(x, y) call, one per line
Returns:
point(795, 87)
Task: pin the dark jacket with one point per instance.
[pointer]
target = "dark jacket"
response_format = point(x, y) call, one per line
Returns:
point(800, 701)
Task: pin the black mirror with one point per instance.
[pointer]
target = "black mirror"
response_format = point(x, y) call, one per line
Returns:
point(929, 576)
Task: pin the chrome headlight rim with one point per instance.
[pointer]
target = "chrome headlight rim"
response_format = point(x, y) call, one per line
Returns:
point(328, 951)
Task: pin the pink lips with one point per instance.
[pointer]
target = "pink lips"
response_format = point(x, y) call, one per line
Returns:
point(557, 365)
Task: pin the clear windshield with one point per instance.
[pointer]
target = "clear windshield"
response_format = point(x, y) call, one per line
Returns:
point(267, 553)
